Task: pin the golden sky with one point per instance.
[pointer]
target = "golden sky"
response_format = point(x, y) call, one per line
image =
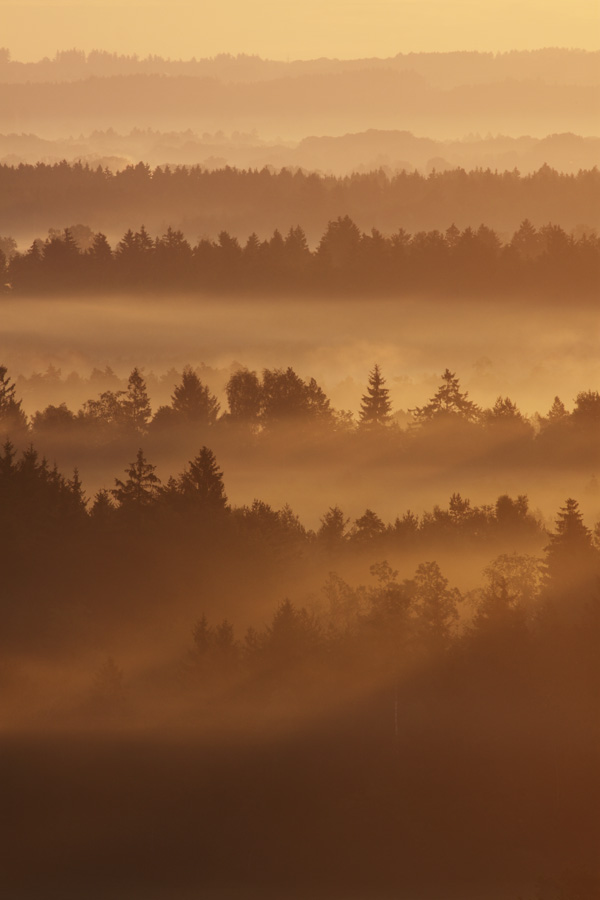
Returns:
point(302, 29)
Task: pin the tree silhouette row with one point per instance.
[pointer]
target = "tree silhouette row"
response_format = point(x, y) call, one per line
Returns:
point(280, 400)
point(201, 202)
point(546, 261)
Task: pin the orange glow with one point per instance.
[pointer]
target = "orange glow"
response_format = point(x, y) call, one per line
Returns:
point(271, 29)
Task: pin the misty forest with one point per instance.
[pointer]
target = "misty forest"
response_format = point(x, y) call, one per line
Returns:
point(300, 477)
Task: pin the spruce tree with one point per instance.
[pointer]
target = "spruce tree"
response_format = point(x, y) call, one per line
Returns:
point(375, 409)
point(202, 482)
point(448, 402)
point(12, 417)
point(193, 401)
point(135, 405)
point(140, 489)
point(572, 562)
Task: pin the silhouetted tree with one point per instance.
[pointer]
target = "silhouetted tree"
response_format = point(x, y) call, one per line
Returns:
point(192, 400)
point(12, 418)
point(586, 412)
point(286, 397)
point(368, 527)
point(244, 396)
point(332, 531)
point(134, 407)
point(435, 605)
point(571, 558)
point(202, 483)
point(54, 420)
point(140, 489)
point(448, 403)
point(338, 248)
point(375, 408)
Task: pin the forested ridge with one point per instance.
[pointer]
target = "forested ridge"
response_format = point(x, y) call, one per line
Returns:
point(576, 66)
point(203, 202)
point(279, 406)
point(146, 525)
point(374, 695)
point(545, 262)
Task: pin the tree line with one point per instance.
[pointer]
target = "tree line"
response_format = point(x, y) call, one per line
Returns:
point(373, 691)
point(576, 66)
point(278, 400)
point(199, 201)
point(46, 518)
point(541, 261)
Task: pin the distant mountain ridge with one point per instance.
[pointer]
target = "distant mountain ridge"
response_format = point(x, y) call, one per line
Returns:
point(447, 70)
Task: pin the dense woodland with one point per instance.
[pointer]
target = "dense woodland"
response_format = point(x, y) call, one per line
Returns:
point(387, 702)
point(268, 409)
point(191, 628)
point(146, 525)
point(201, 202)
point(545, 262)
point(210, 696)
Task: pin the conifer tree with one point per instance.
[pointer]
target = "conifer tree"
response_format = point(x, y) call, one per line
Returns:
point(449, 401)
point(135, 405)
point(375, 410)
point(140, 489)
point(12, 417)
point(202, 482)
point(571, 536)
point(193, 401)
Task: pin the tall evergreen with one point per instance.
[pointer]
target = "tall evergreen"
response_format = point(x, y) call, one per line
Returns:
point(12, 417)
point(202, 482)
point(140, 489)
point(448, 402)
point(193, 401)
point(375, 408)
point(135, 405)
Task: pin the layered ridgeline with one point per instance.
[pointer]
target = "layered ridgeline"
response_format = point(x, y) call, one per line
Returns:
point(442, 94)
point(203, 203)
point(366, 151)
point(576, 67)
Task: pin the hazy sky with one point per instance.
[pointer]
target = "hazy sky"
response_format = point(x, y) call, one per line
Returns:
point(32, 29)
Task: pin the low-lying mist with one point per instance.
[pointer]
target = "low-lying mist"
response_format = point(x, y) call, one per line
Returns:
point(204, 696)
point(495, 345)
point(496, 348)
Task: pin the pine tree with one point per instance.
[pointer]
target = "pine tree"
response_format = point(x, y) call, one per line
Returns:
point(102, 509)
point(141, 487)
point(193, 401)
point(12, 417)
point(135, 405)
point(572, 562)
point(557, 415)
point(202, 482)
point(571, 535)
point(333, 527)
point(375, 410)
point(448, 402)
